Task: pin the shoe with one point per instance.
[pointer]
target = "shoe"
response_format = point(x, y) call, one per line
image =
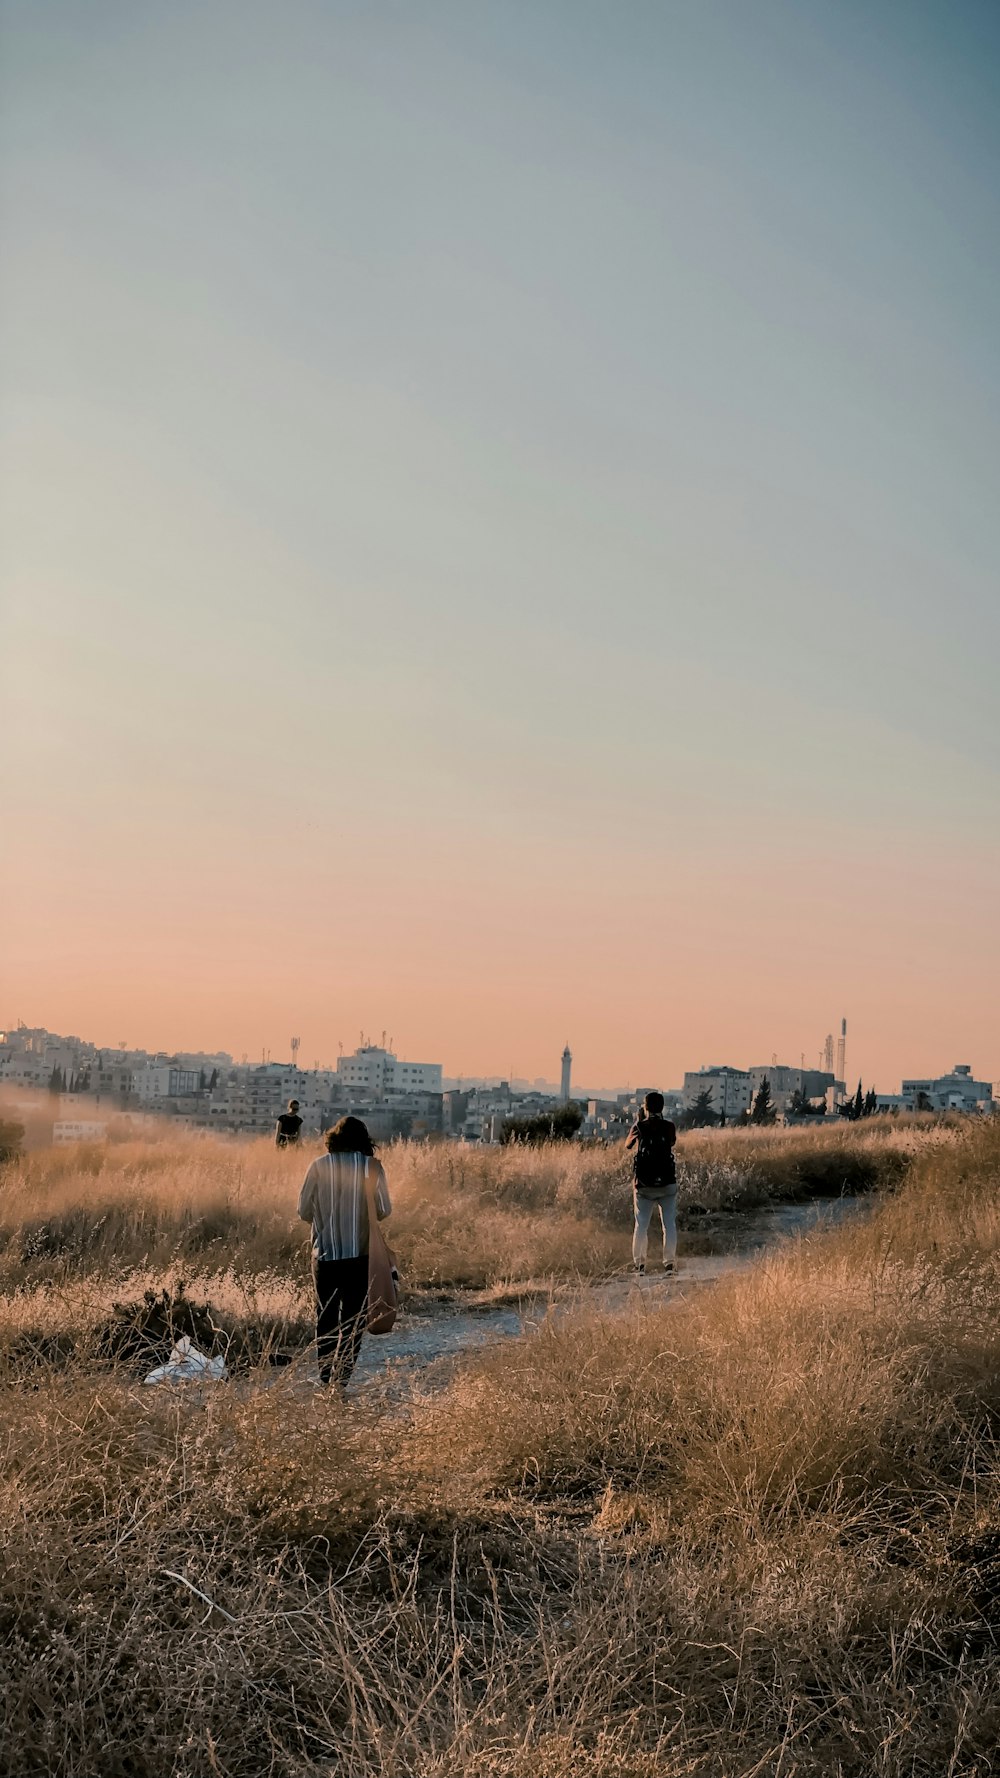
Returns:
point(640, 1271)
point(669, 1267)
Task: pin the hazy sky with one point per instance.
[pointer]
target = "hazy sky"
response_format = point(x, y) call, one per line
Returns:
point(500, 533)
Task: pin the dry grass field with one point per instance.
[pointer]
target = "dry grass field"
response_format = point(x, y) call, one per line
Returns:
point(756, 1534)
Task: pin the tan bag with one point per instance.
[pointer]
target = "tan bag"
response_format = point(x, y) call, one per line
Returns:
point(383, 1292)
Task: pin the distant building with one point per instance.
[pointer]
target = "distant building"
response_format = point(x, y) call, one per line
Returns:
point(607, 1119)
point(454, 1111)
point(567, 1069)
point(377, 1072)
point(78, 1130)
point(813, 1083)
point(165, 1082)
point(956, 1091)
point(730, 1090)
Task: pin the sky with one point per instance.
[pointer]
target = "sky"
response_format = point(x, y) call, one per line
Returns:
point(499, 530)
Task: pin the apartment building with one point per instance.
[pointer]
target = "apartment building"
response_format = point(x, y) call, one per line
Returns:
point(377, 1072)
point(731, 1090)
point(785, 1082)
point(956, 1091)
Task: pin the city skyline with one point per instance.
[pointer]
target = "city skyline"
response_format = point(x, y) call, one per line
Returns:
point(500, 528)
point(817, 1060)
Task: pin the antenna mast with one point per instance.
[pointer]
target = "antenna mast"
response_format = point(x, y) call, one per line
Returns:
point(842, 1052)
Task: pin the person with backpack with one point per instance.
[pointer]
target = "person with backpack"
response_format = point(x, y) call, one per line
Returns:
point(654, 1178)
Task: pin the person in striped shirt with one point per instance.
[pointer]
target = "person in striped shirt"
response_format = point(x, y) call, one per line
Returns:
point(334, 1199)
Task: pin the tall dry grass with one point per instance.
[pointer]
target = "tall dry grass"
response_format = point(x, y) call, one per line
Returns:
point(756, 1534)
point(464, 1216)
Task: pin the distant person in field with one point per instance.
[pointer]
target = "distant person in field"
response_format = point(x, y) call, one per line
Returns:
point(334, 1198)
point(654, 1177)
point(288, 1126)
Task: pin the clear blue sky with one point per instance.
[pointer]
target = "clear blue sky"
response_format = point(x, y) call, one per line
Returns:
point(549, 450)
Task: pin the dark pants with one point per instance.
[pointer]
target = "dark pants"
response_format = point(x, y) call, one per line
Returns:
point(341, 1290)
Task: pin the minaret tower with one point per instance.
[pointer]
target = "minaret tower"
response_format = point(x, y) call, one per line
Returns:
point(567, 1064)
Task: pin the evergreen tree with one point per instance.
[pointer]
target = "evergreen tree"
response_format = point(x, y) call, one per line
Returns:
point(858, 1109)
point(764, 1110)
point(701, 1115)
point(871, 1102)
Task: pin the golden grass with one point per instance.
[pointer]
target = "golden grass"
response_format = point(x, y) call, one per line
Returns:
point(464, 1217)
point(755, 1534)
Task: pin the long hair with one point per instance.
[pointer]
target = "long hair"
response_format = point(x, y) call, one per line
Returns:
point(349, 1136)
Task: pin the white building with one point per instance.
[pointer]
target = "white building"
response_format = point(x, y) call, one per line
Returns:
point(166, 1081)
point(376, 1072)
point(956, 1091)
point(730, 1090)
point(78, 1130)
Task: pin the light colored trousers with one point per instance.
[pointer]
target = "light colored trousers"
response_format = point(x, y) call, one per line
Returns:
point(644, 1207)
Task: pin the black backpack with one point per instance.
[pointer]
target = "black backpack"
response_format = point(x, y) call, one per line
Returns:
point(653, 1166)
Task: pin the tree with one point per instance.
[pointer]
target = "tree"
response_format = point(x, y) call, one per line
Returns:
point(11, 1138)
point(923, 1102)
point(560, 1125)
point(859, 1103)
point(871, 1102)
point(701, 1115)
point(764, 1110)
point(799, 1105)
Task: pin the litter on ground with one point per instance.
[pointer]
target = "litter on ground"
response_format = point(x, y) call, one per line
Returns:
point(187, 1364)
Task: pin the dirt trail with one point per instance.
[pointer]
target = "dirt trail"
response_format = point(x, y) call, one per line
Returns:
point(419, 1339)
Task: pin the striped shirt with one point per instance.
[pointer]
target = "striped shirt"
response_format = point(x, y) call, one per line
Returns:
point(335, 1200)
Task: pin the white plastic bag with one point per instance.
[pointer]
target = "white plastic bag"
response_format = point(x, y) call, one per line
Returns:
point(186, 1363)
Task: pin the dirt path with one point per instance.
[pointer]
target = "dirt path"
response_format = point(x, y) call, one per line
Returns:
point(420, 1339)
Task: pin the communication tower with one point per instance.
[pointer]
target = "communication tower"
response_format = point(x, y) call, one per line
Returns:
point(842, 1051)
point(295, 1052)
point(828, 1053)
